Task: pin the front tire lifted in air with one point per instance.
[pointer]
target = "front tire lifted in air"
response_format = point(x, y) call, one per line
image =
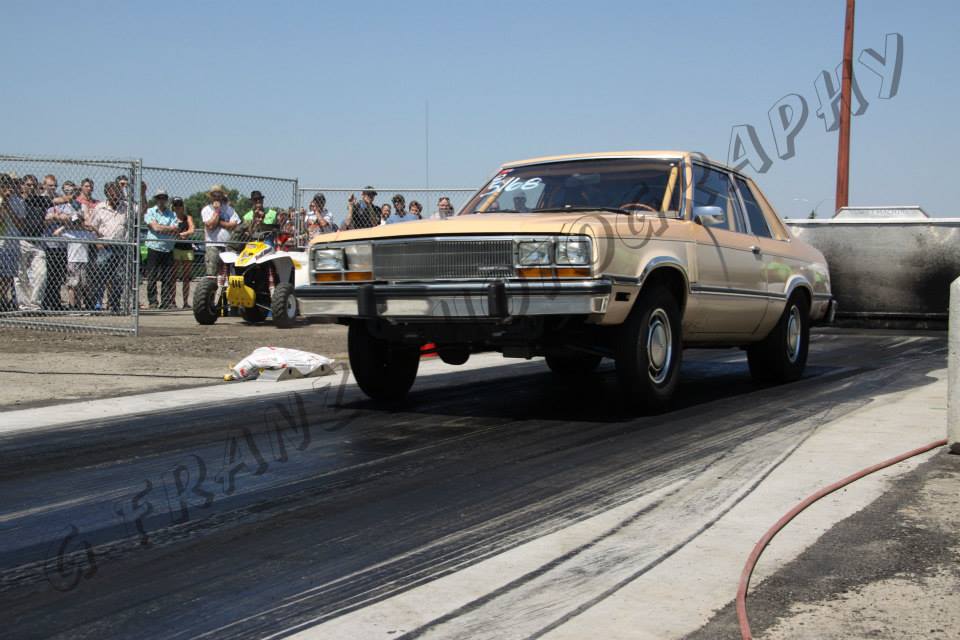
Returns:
point(384, 370)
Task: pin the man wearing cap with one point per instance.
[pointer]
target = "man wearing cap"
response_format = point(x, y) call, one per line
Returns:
point(162, 230)
point(256, 200)
point(259, 218)
point(363, 214)
point(219, 219)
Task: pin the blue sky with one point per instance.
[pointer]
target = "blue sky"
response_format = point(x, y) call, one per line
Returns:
point(334, 93)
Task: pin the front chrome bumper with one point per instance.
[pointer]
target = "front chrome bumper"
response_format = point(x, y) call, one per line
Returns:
point(497, 299)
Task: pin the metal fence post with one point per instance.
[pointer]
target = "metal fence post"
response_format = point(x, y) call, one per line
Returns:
point(298, 225)
point(135, 249)
point(953, 371)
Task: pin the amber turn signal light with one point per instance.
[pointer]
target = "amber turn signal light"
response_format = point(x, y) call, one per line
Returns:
point(327, 276)
point(535, 272)
point(354, 276)
point(573, 272)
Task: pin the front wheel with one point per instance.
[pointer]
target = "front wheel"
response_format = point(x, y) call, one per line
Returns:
point(206, 303)
point(384, 371)
point(782, 355)
point(283, 305)
point(649, 350)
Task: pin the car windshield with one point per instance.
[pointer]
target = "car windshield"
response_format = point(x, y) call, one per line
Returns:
point(620, 184)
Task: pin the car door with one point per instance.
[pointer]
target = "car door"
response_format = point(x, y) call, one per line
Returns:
point(731, 283)
point(777, 264)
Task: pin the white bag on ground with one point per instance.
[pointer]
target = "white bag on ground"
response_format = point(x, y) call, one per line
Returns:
point(304, 362)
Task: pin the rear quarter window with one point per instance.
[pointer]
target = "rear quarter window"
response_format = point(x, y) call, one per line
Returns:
point(779, 230)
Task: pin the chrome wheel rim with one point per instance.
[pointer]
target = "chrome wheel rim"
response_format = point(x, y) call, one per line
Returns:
point(659, 346)
point(794, 336)
point(291, 307)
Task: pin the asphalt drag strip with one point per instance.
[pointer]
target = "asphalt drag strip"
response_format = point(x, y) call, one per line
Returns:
point(302, 513)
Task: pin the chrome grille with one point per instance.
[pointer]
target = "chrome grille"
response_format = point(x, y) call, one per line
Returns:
point(437, 258)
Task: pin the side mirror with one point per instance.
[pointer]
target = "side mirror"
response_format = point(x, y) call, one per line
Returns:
point(711, 216)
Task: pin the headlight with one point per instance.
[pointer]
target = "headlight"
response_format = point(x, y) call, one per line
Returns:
point(328, 259)
point(573, 250)
point(359, 257)
point(535, 252)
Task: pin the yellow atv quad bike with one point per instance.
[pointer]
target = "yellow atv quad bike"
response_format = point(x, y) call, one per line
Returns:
point(259, 280)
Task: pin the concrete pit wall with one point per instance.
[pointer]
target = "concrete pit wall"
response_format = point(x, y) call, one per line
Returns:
point(888, 272)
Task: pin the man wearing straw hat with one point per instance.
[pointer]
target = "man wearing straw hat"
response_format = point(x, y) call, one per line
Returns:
point(219, 219)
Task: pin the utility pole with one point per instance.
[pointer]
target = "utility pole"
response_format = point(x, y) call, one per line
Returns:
point(843, 145)
point(426, 143)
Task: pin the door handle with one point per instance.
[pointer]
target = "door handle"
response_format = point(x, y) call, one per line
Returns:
point(755, 249)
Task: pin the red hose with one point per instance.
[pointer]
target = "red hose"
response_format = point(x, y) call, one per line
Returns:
point(790, 515)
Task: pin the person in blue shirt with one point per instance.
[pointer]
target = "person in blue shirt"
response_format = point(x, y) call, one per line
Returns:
point(162, 234)
point(399, 211)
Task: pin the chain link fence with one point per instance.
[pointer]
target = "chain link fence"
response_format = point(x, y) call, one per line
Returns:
point(212, 211)
point(87, 245)
point(323, 209)
point(68, 240)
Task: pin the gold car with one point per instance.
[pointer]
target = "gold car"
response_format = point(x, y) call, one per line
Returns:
point(627, 255)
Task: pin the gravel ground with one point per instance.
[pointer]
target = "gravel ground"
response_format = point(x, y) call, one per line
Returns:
point(891, 571)
point(172, 352)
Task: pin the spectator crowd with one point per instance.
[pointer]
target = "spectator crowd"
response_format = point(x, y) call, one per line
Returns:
point(61, 249)
point(40, 268)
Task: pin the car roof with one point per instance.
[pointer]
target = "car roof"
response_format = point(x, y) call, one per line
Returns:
point(616, 154)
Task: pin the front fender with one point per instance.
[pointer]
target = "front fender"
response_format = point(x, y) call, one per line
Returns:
point(287, 265)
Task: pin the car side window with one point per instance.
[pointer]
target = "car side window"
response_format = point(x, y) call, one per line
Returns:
point(758, 223)
point(776, 225)
point(713, 188)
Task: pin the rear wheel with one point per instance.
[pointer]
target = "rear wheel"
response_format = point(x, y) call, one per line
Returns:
point(649, 349)
point(782, 355)
point(283, 305)
point(573, 365)
point(384, 371)
point(206, 305)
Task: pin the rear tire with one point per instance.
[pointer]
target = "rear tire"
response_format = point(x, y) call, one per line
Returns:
point(649, 349)
point(283, 305)
point(782, 355)
point(206, 308)
point(384, 371)
point(573, 365)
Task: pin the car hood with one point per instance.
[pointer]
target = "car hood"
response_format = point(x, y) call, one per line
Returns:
point(595, 223)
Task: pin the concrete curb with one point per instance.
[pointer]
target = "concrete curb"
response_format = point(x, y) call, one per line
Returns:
point(66, 414)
